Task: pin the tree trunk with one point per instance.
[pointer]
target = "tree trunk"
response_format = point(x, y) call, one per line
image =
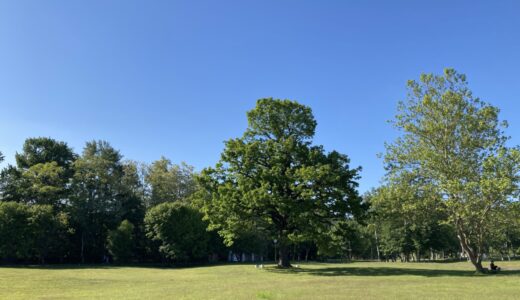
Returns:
point(377, 245)
point(473, 255)
point(82, 249)
point(283, 257)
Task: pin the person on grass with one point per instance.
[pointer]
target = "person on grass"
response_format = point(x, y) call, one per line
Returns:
point(494, 267)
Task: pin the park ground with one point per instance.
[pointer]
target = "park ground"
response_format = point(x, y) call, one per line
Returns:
point(358, 280)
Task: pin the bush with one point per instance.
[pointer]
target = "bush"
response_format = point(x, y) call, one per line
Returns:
point(29, 232)
point(179, 230)
point(15, 234)
point(121, 242)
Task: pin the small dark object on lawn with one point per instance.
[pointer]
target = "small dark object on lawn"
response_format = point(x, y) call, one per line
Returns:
point(494, 267)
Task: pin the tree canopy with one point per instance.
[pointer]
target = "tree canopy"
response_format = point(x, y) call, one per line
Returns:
point(454, 143)
point(274, 180)
point(450, 192)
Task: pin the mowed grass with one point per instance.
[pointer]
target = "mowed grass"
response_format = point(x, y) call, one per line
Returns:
point(358, 280)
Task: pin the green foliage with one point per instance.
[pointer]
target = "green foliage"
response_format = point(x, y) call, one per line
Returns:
point(42, 173)
point(45, 184)
point(12, 185)
point(50, 232)
point(32, 231)
point(120, 242)
point(44, 150)
point(100, 200)
point(454, 143)
point(169, 182)
point(274, 180)
point(15, 241)
point(179, 230)
point(410, 218)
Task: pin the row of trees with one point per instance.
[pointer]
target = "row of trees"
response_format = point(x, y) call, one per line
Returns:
point(451, 190)
point(91, 204)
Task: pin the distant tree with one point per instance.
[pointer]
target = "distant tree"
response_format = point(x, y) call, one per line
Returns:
point(273, 179)
point(455, 143)
point(41, 175)
point(169, 182)
point(121, 242)
point(410, 218)
point(1, 157)
point(132, 201)
point(97, 197)
point(179, 230)
point(43, 150)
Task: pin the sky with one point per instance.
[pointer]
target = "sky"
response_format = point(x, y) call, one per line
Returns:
point(176, 78)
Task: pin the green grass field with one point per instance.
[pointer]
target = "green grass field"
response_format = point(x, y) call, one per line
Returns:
point(359, 280)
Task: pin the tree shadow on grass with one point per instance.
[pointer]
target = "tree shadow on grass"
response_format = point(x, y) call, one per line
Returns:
point(115, 266)
point(385, 271)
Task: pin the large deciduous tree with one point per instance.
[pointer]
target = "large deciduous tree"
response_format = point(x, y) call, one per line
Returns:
point(455, 142)
point(273, 179)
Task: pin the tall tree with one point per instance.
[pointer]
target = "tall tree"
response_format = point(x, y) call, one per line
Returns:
point(169, 182)
point(41, 175)
point(43, 150)
point(274, 179)
point(455, 142)
point(97, 197)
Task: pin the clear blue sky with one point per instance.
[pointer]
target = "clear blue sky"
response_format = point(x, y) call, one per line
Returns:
point(175, 78)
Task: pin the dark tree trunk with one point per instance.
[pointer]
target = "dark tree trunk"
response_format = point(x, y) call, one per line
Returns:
point(283, 257)
point(82, 248)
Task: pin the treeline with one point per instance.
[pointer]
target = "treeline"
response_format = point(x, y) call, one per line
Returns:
point(451, 192)
point(58, 206)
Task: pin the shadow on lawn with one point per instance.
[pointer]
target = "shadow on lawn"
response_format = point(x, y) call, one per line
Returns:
point(384, 271)
point(114, 266)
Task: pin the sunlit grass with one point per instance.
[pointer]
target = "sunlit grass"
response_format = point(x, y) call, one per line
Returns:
point(359, 280)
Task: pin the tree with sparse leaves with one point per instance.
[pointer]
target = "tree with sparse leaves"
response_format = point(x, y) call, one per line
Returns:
point(455, 142)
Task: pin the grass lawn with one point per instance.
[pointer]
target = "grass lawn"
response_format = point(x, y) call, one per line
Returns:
point(359, 280)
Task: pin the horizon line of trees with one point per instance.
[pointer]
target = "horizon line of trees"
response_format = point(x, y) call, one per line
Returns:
point(451, 192)
point(57, 206)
